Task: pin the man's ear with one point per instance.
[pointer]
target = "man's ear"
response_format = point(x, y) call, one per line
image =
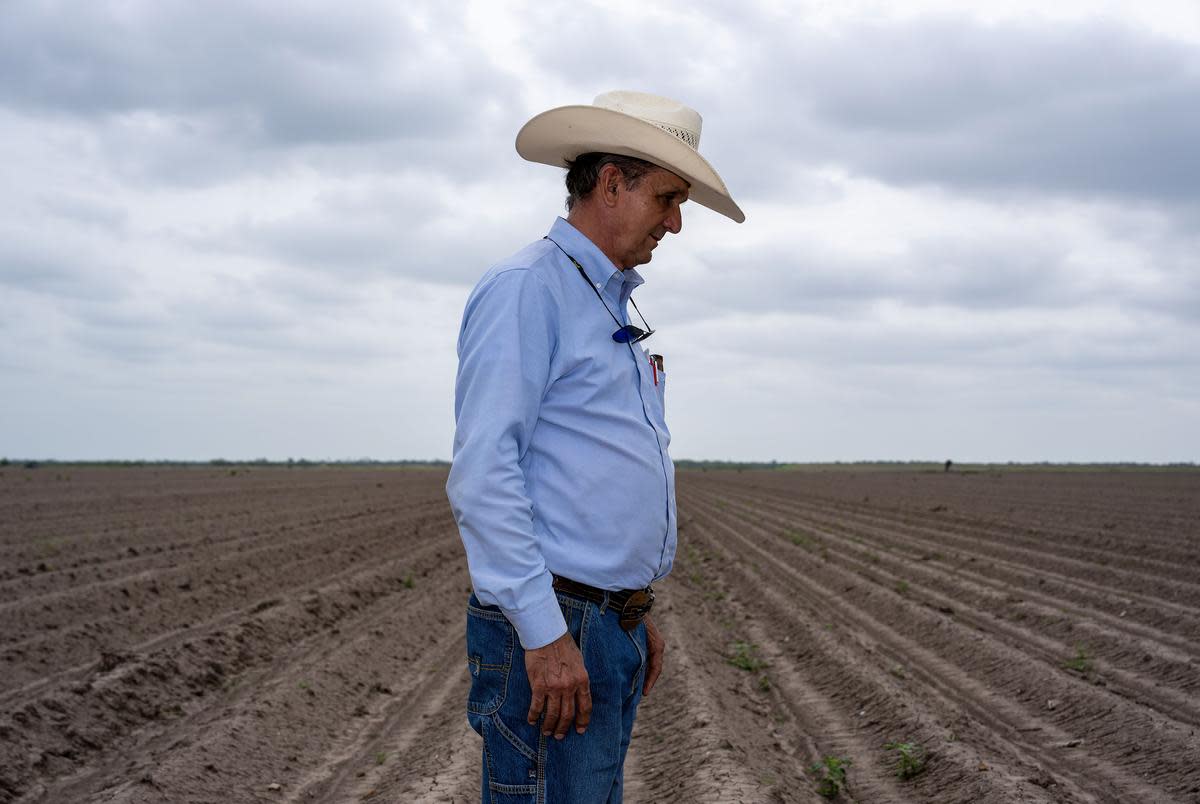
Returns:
point(609, 184)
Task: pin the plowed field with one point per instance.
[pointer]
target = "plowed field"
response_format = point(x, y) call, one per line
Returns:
point(217, 634)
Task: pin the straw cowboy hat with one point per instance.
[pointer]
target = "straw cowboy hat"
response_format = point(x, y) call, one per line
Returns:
point(649, 127)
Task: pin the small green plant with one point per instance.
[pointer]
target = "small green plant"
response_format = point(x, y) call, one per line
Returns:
point(381, 757)
point(910, 758)
point(745, 657)
point(797, 538)
point(902, 587)
point(764, 684)
point(1080, 662)
point(409, 583)
point(831, 775)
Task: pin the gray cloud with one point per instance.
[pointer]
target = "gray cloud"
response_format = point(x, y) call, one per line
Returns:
point(1074, 108)
point(187, 93)
point(289, 76)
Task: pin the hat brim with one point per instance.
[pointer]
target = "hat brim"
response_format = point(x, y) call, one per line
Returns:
point(560, 135)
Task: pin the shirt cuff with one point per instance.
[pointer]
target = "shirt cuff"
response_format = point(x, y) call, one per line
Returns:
point(540, 624)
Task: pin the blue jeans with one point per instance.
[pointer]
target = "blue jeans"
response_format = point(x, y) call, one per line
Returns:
point(520, 765)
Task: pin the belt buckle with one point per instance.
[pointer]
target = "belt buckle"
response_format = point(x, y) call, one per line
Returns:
point(636, 607)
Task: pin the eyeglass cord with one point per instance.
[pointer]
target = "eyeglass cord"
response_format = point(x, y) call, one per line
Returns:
point(596, 290)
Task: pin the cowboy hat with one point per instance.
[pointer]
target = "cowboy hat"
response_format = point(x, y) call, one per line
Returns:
point(658, 130)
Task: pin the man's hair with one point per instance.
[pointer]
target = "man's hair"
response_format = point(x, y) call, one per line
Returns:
point(584, 171)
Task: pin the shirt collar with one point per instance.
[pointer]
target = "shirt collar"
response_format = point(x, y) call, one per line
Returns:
point(599, 268)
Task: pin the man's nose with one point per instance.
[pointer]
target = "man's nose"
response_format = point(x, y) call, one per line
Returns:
point(674, 220)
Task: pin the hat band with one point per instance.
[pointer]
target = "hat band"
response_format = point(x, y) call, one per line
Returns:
point(688, 137)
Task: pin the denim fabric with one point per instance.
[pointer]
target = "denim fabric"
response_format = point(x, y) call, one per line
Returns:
point(520, 765)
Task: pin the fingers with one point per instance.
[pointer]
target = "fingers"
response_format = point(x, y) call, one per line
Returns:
point(561, 709)
point(553, 710)
point(653, 668)
point(559, 690)
point(566, 715)
point(537, 702)
point(655, 647)
point(583, 702)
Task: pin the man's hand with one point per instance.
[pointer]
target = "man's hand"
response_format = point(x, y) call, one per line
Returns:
point(655, 645)
point(558, 682)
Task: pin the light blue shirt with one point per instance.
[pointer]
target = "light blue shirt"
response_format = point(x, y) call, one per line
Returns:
point(560, 452)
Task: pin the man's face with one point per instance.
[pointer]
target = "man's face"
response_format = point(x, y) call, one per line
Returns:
point(645, 214)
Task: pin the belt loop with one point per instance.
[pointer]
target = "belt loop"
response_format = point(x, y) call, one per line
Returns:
point(604, 605)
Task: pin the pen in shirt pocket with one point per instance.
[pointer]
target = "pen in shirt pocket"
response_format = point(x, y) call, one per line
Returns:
point(656, 365)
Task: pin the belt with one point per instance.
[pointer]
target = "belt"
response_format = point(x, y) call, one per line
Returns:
point(632, 604)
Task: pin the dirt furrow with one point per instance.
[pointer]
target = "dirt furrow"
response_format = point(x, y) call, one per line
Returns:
point(1138, 615)
point(686, 745)
point(13, 699)
point(48, 577)
point(1129, 530)
point(133, 691)
point(1095, 577)
point(1147, 666)
point(981, 677)
point(415, 737)
point(844, 667)
point(457, 777)
point(118, 617)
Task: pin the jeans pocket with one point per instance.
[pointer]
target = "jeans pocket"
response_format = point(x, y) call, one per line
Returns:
point(490, 643)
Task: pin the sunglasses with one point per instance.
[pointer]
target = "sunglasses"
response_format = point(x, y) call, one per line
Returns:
point(629, 333)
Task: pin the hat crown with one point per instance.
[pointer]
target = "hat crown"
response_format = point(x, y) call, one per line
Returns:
point(678, 120)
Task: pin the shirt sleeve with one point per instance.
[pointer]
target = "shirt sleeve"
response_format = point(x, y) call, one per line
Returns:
point(505, 346)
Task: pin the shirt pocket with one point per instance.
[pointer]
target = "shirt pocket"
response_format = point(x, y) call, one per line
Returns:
point(659, 406)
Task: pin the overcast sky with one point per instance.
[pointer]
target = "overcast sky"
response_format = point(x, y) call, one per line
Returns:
point(247, 229)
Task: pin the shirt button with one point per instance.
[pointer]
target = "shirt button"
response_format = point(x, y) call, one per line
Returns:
point(597, 284)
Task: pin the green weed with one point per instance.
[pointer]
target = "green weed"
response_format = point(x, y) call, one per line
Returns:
point(745, 657)
point(797, 538)
point(1081, 662)
point(902, 587)
point(831, 775)
point(910, 758)
point(381, 757)
point(409, 583)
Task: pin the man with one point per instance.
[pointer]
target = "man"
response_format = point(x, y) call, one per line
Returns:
point(562, 486)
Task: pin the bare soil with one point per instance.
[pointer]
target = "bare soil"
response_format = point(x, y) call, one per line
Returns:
point(229, 634)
